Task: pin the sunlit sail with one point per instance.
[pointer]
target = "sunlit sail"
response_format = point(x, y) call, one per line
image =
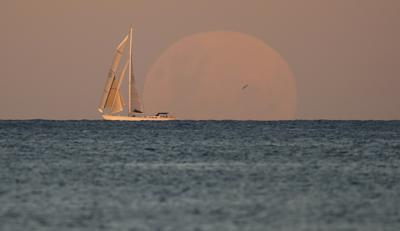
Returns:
point(112, 100)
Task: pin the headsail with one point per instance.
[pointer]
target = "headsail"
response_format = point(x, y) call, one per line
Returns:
point(112, 75)
point(112, 93)
point(118, 103)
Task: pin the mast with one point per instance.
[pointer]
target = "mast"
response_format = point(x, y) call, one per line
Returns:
point(130, 71)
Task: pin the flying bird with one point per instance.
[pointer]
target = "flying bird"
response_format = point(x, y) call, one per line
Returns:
point(245, 86)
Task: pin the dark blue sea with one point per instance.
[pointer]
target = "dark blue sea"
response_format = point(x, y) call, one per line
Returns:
point(199, 175)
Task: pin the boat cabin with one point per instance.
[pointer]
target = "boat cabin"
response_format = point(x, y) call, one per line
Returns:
point(162, 114)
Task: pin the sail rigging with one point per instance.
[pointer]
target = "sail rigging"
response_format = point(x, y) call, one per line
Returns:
point(112, 101)
point(112, 98)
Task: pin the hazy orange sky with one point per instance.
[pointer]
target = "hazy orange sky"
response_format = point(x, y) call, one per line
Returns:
point(55, 55)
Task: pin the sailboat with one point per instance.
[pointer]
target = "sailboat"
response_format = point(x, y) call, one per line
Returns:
point(112, 102)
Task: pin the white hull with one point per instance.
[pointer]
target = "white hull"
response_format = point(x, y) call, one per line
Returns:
point(137, 118)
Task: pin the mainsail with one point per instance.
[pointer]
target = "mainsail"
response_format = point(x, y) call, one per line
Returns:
point(134, 101)
point(136, 106)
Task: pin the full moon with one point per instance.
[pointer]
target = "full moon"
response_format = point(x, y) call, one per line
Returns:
point(221, 75)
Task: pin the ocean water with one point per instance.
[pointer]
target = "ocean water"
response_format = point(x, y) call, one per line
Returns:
point(200, 175)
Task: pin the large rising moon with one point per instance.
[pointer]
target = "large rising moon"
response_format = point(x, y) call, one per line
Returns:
point(221, 75)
